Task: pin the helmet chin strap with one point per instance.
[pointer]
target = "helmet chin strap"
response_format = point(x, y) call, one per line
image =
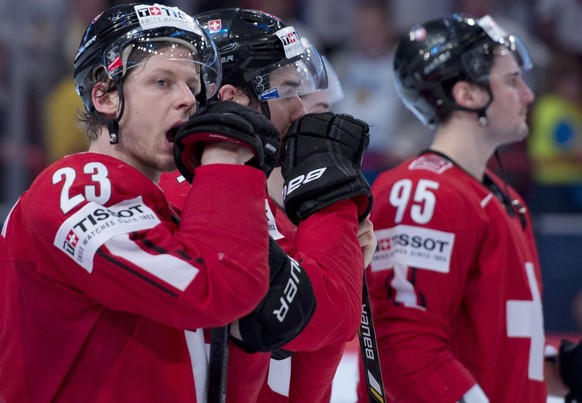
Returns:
point(113, 124)
point(265, 109)
point(483, 120)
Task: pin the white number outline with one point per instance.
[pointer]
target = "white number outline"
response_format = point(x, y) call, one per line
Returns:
point(423, 202)
point(99, 175)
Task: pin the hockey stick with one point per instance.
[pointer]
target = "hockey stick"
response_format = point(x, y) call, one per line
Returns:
point(218, 365)
point(369, 349)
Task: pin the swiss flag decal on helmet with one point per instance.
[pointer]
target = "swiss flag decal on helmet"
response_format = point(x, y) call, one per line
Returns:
point(214, 25)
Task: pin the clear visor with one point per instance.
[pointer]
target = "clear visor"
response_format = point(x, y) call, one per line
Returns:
point(478, 62)
point(334, 88)
point(182, 46)
point(140, 53)
point(288, 78)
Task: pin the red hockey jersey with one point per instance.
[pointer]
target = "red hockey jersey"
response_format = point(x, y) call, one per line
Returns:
point(103, 292)
point(455, 286)
point(326, 246)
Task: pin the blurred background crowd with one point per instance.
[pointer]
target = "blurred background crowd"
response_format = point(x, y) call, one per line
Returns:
point(38, 103)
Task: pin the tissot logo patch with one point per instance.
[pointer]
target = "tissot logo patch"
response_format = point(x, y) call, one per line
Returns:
point(159, 15)
point(272, 223)
point(81, 235)
point(413, 246)
point(291, 42)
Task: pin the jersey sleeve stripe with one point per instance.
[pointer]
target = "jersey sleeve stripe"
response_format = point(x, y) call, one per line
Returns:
point(120, 264)
point(166, 267)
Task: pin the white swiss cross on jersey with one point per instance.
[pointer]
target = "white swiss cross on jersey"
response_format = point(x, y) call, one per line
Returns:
point(525, 319)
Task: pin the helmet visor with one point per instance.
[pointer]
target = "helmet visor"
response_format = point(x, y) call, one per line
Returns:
point(290, 80)
point(141, 53)
point(335, 90)
point(478, 62)
point(301, 74)
point(174, 39)
point(514, 45)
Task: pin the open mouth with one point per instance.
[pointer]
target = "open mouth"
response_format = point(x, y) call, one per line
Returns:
point(171, 134)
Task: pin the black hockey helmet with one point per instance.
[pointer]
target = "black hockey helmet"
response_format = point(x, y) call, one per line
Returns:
point(110, 37)
point(433, 56)
point(254, 45)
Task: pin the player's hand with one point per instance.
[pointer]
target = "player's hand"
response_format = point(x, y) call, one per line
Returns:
point(226, 122)
point(367, 239)
point(570, 361)
point(320, 163)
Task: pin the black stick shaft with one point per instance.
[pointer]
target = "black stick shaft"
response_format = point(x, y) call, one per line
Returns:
point(218, 365)
point(369, 349)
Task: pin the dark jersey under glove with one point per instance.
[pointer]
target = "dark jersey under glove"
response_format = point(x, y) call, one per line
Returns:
point(321, 163)
point(231, 122)
point(284, 311)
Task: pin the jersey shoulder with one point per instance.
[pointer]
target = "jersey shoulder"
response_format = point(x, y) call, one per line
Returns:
point(447, 180)
point(87, 178)
point(93, 169)
point(428, 190)
point(424, 167)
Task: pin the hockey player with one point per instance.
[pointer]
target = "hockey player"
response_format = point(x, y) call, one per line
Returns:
point(266, 67)
point(455, 283)
point(104, 288)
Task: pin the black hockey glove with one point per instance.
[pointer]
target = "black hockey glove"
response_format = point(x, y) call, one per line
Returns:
point(570, 361)
point(320, 163)
point(226, 121)
point(285, 310)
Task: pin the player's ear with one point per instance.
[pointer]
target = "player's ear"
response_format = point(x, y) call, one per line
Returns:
point(469, 95)
point(229, 92)
point(105, 101)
